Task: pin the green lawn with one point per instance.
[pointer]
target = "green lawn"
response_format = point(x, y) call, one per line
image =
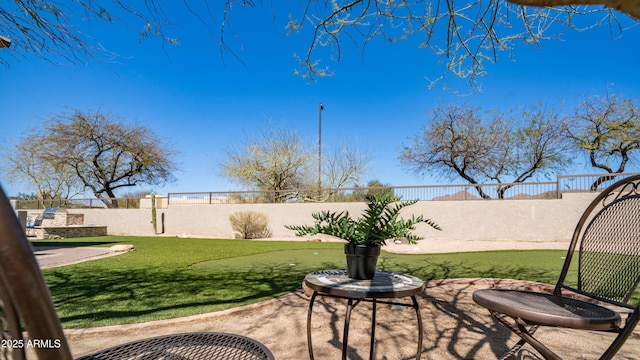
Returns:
point(173, 277)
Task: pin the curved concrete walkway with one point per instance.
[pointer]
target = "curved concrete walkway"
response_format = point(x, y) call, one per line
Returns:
point(49, 257)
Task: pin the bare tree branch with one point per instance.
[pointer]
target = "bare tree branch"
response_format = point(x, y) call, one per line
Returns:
point(466, 34)
point(99, 151)
point(607, 129)
point(463, 142)
point(630, 7)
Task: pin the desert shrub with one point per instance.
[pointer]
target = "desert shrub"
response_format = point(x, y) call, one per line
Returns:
point(250, 225)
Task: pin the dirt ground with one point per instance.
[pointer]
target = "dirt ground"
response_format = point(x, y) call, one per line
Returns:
point(454, 328)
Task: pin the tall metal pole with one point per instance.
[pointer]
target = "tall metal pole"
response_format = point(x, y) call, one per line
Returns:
point(320, 108)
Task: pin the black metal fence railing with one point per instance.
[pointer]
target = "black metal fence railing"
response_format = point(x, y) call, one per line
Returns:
point(588, 182)
point(89, 203)
point(538, 190)
point(502, 191)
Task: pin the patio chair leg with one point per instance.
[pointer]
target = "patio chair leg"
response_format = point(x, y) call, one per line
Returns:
point(519, 330)
point(514, 349)
point(632, 322)
point(542, 349)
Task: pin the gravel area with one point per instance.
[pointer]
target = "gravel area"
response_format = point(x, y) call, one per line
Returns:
point(454, 328)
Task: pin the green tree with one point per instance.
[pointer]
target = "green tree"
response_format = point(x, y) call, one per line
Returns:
point(376, 187)
point(464, 142)
point(100, 151)
point(607, 130)
point(466, 34)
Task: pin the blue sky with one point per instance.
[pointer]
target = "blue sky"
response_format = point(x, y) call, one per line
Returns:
point(204, 105)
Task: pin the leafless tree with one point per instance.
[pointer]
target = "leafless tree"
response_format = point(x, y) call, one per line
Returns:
point(276, 160)
point(345, 164)
point(607, 130)
point(24, 163)
point(280, 161)
point(100, 151)
point(460, 141)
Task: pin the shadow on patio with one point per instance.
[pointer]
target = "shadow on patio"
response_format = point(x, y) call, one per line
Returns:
point(454, 328)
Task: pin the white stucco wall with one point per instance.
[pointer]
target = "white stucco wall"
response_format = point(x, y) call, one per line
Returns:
point(480, 220)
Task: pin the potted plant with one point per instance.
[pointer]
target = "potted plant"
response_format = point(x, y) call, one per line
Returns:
point(366, 235)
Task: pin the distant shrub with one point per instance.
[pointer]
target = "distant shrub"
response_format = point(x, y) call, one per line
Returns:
point(250, 225)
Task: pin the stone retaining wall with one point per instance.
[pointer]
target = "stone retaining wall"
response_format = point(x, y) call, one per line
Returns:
point(57, 232)
point(63, 225)
point(64, 219)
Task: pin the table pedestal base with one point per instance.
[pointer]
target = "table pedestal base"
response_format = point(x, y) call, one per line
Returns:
point(351, 303)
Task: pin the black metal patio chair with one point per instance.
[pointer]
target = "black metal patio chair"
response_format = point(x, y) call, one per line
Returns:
point(29, 325)
point(606, 247)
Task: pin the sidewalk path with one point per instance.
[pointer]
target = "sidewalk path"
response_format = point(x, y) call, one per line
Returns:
point(49, 257)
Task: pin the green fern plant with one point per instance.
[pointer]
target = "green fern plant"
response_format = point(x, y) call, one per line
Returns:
point(380, 221)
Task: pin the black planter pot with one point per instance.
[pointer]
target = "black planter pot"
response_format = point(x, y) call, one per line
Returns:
point(361, 260)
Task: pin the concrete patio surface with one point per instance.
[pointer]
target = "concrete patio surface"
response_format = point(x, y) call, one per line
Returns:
point(454, 328)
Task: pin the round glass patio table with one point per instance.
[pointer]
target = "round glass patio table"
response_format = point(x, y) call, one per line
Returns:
point(384, 285)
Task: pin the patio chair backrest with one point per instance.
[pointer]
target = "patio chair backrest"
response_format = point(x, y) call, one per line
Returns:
point(607, 238)
point(25, 301)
